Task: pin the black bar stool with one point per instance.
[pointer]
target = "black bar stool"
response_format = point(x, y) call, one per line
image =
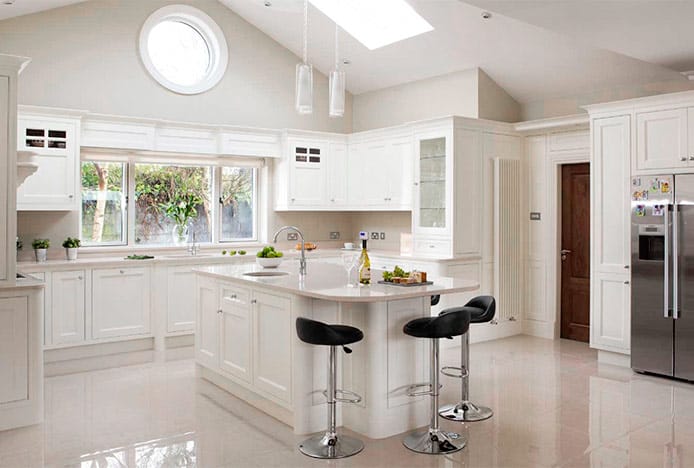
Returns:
point(331, 445)
point(453, 322)
point(482, 310)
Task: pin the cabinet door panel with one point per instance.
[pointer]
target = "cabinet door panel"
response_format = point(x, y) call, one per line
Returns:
point(610, 180)
point(180, 311)
point(272, 330)
point(207, 323)
point(120, 302)
point(368, 170)
point(67, 307)
point(6, 250)
point(611, 313)
point(308, 163)
point(14, 349)
point(54, 185)
point(432, 199)
point(235, 349)
point(399, 176)
point(661, 139)
point(337, 174)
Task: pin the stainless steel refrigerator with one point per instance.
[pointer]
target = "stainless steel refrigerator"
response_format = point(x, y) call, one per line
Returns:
point(662, 262)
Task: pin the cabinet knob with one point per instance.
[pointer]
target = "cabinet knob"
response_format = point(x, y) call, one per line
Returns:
point(683, 158)
point(71, 196)
point(293, 199)
point(626, 282)
point(79, 278)
point(233, 296)
point(122, 272)
point(332, 200)
point(416, 184)
point(626, 267)
point(254, 301)
point(220, 311)
point(691, 158)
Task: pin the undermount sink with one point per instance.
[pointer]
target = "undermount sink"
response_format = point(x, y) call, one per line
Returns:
point(261, 274)
point(187, 255)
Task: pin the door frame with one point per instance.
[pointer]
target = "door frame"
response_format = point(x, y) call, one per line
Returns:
point(554, 197)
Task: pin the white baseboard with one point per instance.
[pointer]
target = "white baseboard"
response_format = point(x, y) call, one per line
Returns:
point(615, 359)
point(539, 329)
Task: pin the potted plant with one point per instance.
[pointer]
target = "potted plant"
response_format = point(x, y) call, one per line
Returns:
point(181, 211)
point(20, 245)
point(71, 244)
point(40, 247)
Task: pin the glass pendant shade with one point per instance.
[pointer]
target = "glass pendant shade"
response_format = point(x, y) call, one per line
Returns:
point(304, 88)
point(337, 93)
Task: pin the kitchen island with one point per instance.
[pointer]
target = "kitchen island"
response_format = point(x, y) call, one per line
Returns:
point(245, 342)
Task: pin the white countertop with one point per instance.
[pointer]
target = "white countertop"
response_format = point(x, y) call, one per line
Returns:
point(328, 282)
point(92, 260)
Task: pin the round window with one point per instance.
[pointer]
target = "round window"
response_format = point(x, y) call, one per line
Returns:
point(183, 49)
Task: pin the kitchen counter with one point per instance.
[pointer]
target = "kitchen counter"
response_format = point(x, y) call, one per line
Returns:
point(328, 282)
point(246, 343)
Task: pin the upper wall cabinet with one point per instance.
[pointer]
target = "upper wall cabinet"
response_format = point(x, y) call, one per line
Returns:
point(661, 140)
point(55, 185)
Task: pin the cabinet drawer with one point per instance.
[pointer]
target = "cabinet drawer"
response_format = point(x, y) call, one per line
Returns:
point(235, 294)
point(433, 247)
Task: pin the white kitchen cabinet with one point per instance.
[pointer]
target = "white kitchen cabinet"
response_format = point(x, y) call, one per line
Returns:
point(6, 265)
point(21, 358)
point(433, 198)
point(400, 173)
point(611, 202)
point(120, 302)
point(68, 307)
point(235, 336)
point(338, 167)
point(307, 173)
point(610, 226)
point(14, 349)
point(661, 140)
point(55, 185)
point(610, 320)
point(180, 299)
point(272, 332)
point(207, 322)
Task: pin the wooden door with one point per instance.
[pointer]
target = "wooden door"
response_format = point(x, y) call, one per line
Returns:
point(575, 254)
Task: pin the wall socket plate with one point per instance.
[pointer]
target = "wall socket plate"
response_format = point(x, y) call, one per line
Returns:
point(292, 236)
point(374, 236)
point(334, 235)
point(383, 236)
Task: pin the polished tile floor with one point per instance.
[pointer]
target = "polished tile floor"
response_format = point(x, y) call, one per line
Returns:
point(554, 406)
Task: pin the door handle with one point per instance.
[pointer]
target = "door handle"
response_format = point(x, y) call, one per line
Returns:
point(564, 253)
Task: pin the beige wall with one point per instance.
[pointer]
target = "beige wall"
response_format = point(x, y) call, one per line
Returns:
point(494, 102)
point(569, 105)
point(85, 56)
point(452, 94)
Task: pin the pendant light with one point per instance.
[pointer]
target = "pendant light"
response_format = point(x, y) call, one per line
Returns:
point(304, 75)
point(337, 83)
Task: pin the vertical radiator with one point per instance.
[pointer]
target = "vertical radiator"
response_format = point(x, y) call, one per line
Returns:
point(507, 238)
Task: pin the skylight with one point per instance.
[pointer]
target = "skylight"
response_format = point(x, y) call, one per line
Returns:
point(375, 23)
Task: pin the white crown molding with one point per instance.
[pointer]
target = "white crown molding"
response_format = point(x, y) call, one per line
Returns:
point(575, 120)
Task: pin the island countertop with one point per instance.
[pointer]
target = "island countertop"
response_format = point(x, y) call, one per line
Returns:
point(329, 282)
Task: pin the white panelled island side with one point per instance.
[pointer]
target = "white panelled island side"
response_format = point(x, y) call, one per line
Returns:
point(246, 343)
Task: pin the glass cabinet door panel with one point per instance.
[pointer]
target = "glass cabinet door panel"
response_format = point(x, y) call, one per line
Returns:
point(432, 183)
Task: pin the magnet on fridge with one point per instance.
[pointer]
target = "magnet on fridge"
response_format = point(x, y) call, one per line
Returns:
point(658, 210)
point(636, 182)
point(640, 195)
point(664, 186)
point(654, 185)
point(640, 210)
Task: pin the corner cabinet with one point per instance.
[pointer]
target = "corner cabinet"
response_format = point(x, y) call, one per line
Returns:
point(245, 335)
point(610, 315)
point(55, 184)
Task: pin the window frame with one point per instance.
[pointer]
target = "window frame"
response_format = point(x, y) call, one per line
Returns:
point(129, 163)
point(126, 193)
point(208, 29)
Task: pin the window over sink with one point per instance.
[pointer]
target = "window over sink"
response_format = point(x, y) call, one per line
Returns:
point(139, 202)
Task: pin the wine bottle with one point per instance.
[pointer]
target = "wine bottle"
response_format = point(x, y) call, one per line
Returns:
point(364, 265)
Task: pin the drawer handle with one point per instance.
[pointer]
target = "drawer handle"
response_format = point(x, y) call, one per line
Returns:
point(683, 158)
point(626, 282)
point(122, 272)
point(432, 246)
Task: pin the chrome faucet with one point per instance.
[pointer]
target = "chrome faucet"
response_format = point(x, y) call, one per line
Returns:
point(302, 260)
point(193, 247)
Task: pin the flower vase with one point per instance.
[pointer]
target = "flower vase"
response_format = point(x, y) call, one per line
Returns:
point(180, 235)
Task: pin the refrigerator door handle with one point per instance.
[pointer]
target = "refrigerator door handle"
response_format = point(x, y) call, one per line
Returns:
point(666, 265)
point(675, 261)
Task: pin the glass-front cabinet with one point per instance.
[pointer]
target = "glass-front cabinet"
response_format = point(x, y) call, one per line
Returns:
point(432, 176)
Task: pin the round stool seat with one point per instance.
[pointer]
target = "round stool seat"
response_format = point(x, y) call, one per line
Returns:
point(483, 309)
point(319, 333)
point(454, 322)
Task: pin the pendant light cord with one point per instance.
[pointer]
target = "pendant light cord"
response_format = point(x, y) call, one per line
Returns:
point(306, 31)
point(337, 48)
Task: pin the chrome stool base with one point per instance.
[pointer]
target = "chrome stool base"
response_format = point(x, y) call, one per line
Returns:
point(329, 446)
point(465, 411)
point(434, 442)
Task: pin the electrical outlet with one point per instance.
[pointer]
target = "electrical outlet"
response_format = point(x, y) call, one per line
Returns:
point(334, 235)
point(292, 236)
point(383, 236)
point(374, 236)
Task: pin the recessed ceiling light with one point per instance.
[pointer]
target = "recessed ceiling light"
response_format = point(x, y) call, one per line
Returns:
point(267, 4)
point(486, 15)
point(7, 2)
point(346, 62)
point(375, 23)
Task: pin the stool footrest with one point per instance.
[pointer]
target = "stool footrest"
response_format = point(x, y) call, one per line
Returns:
point(454, 371)
point(353, 397)
point(413, 391)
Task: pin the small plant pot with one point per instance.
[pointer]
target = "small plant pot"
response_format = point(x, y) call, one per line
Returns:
point(71, 253)
point(40, 255)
